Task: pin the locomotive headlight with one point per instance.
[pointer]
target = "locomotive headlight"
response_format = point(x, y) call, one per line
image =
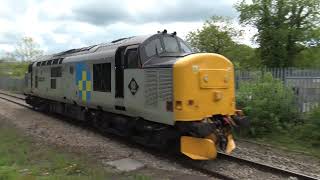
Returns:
point(195, 68)
point(206, 78)
point(179, 105)
point(217, 95)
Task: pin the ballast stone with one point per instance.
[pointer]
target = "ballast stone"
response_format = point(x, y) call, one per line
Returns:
point(126, 164)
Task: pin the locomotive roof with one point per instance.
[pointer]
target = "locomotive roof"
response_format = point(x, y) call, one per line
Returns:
point(90, 49)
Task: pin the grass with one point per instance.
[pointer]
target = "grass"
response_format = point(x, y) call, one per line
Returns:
point(13, 69)
point(285, 141)
point(288, 141)
point(21, 158)
point(301, 137)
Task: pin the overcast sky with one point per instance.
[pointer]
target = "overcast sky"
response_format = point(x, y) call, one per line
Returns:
point(63, 24)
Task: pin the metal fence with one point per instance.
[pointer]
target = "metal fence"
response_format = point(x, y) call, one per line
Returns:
point(304, 82)
point(12, 84)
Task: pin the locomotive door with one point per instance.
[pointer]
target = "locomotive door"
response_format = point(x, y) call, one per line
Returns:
point(119, 71)
point(126, 57)
point(119, 79)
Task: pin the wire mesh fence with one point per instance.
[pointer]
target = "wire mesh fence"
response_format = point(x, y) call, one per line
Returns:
point(305, 83)
point(12, 84)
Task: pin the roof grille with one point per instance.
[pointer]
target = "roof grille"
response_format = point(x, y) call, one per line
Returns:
point(71, 51)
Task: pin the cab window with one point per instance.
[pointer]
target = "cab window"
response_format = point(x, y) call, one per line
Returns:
point(171, 44)
point(152, 47)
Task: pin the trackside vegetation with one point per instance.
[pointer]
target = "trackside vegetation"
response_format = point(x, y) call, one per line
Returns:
point(269, 104)
point(274, 116)
point(23, 159)
point(14, 69)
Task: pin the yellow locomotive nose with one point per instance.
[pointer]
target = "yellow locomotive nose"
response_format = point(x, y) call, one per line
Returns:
point(203, 87)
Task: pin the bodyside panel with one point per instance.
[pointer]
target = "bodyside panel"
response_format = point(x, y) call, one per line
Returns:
point(154, 91)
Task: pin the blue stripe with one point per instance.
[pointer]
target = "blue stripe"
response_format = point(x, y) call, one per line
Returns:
point(79, 67)
point(84, 85)
point(88, 96)
point(80, 94)
point(88, 75)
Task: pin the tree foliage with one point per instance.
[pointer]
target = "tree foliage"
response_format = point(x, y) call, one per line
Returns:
point(285, 27)
point(216, 36)
point(13, 69)
point(308, 58)
point(27, 49)
point(309, 131)
point(243, 56)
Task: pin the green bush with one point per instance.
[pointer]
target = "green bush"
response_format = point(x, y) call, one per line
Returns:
point(310, 130)
point(268, 103)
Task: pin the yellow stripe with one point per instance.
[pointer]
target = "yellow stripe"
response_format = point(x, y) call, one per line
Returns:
point(84, 75)
point(84, 95)
point(80, 85)
point(88, 85)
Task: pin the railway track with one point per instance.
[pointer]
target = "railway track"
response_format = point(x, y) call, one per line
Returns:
point(196, 165)
point(12, 101)
point(13, 95)
point(265, 167)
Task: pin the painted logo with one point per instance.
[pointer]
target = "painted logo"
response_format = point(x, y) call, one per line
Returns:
point(133, 86)
point(83, 81)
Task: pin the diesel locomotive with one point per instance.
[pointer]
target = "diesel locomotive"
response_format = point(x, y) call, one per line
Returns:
point(152, 89)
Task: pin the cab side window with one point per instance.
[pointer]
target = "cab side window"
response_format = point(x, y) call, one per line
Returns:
point(132, 59)
point(102, 77)
point(184, 47)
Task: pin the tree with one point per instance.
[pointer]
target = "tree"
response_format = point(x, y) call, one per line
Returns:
point(285, 27)
point(27, 49)
point(308, 58)
point(215, 36)
point(243, 56)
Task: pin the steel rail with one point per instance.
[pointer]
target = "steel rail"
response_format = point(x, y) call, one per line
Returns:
point(11, 95)
point(265, 167)
point(15, 102)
